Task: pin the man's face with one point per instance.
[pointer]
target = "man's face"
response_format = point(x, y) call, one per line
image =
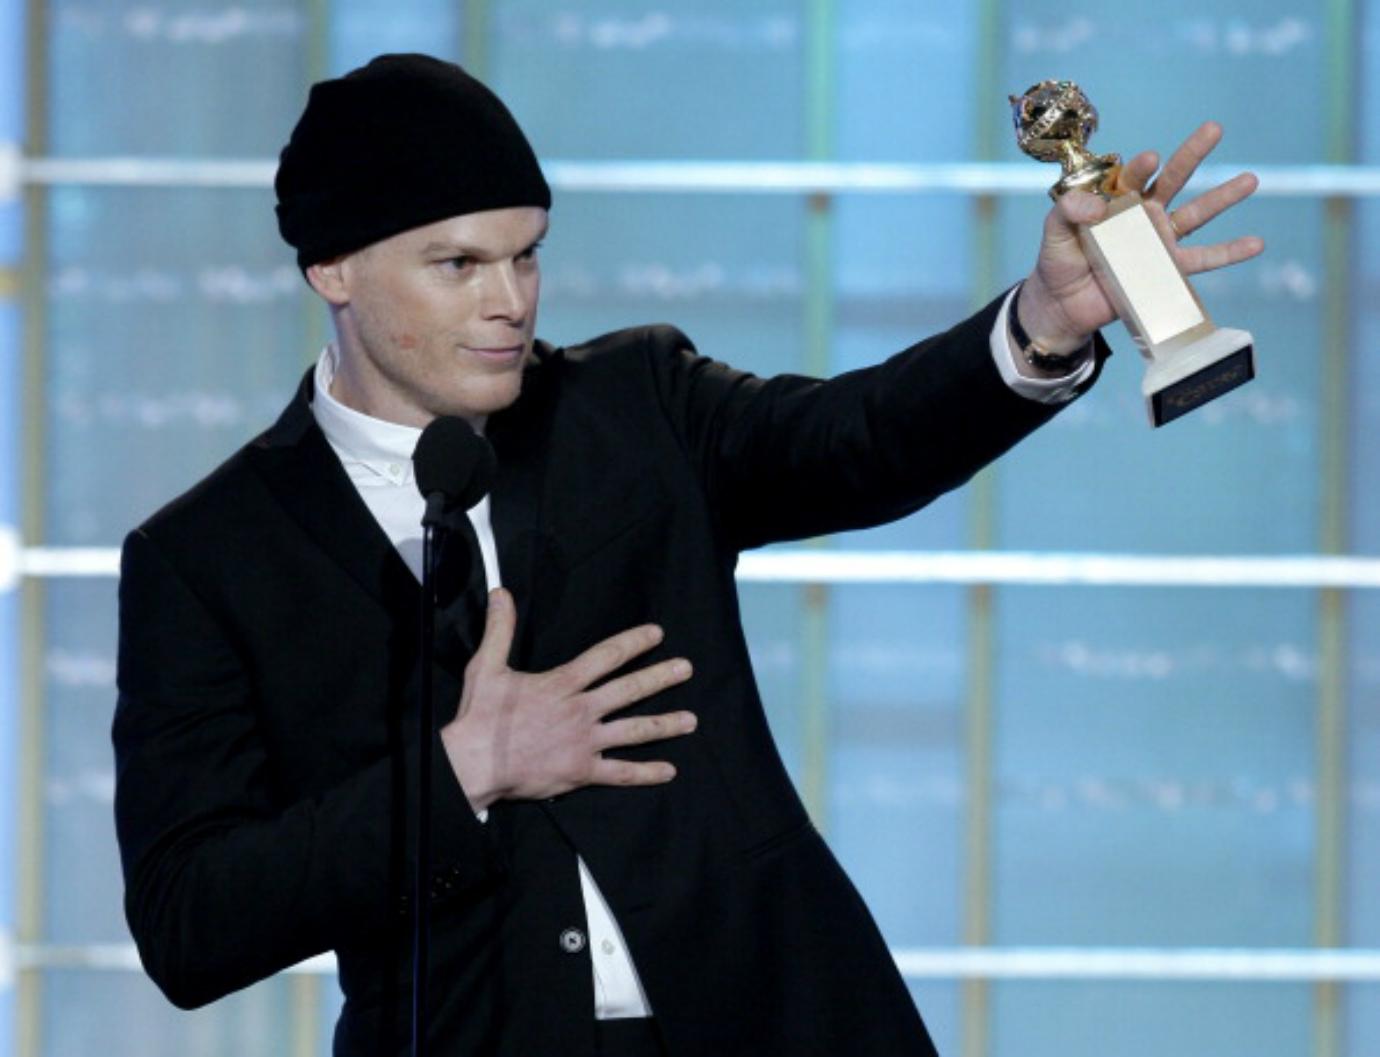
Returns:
point(437, 320)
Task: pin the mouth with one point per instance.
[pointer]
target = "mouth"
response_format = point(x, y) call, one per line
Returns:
point(500, 353)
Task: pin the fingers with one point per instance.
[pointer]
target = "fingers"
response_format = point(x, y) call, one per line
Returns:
point(639, 730)
point(1184, 162)
point(626, 772)
point(623, 691)
point(1194, 259)
point(1190, 216)
point(608, 656)
point(1136, 173)
point(1070, 211)
point(499, 622)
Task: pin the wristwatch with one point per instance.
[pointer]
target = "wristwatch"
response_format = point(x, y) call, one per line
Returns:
point(1042, 359)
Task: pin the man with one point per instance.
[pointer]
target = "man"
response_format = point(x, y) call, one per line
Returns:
point(622, 865)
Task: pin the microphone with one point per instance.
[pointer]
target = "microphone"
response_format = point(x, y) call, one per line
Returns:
point(454, 467)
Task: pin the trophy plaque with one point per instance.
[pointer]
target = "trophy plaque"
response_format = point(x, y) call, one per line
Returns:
point(1191, 361)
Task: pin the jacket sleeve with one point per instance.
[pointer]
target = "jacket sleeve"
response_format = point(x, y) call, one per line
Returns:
point(225, 883)
point(791, 457)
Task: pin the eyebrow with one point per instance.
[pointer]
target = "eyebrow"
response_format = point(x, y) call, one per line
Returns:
point(450, 249)
point(459, 249)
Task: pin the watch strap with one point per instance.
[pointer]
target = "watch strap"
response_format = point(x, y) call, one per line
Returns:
point(1035, 355)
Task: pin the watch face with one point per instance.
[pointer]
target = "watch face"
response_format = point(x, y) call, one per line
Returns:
point(1052, 362)
point(1055, 362)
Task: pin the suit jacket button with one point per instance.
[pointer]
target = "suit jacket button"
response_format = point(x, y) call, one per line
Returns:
point(572, 941)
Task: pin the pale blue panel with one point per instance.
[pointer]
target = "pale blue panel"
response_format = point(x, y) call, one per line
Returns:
point(1256, 66)
point(1361, 1031)
point(774, 617)
point(12, 69)
point(1362, 913)
point(83, 897)
point(332, 1001)
point(11, 118)
point(10, 469)
point(178, 331)
point(11, 412)
point(725, 269)
point(895, 257)
point(897, 795)
point(905, 76)
point(1155, 786)
point(362, 29)
point(181, 79)
point(1090, 1019)
point(896, 802)
point(11, 463)
point(1155, 767)
point(1364, 393)
point(941, 1004)
point(124, 1015)
point(653, 79)
point(11, 234)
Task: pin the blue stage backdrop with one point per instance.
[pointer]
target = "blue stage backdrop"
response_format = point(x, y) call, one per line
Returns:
point(1102, 767)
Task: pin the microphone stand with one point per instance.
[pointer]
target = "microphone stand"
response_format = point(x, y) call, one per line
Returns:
point(426, 722)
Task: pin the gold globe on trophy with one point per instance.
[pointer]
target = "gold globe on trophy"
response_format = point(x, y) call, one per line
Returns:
point(1191, 360)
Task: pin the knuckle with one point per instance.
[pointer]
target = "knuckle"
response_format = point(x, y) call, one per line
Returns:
point(644, 684)
point(587, 710)
point(562, 682)
point(611, 655)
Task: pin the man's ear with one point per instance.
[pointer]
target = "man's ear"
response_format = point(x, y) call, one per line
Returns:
point(327, 278)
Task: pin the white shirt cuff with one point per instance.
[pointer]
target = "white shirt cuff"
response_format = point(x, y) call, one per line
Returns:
point(1044, 390)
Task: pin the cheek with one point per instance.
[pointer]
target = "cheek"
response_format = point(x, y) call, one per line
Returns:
point(405, 341)
point(534, 298)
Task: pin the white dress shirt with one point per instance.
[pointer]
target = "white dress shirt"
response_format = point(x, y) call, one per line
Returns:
point(1045, 390)
point(377, 457)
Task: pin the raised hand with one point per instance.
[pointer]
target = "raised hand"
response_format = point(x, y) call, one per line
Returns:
point(1061, 303)
point(533, 735)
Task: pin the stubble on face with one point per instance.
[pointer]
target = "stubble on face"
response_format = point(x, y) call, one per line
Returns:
point(440, 320)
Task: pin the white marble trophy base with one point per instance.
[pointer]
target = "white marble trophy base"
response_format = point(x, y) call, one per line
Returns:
point(1197, 372)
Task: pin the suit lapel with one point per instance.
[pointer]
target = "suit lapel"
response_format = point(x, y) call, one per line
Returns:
point(520, 436)
point(302, 472)
point(297, 464)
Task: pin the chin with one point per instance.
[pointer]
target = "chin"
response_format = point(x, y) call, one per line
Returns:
point(486, 399)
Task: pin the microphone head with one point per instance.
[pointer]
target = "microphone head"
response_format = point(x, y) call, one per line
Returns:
point(454, 460)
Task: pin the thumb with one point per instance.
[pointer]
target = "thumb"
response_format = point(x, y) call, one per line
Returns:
point(1076, 208)
point(499, 623)
point(1062, 260)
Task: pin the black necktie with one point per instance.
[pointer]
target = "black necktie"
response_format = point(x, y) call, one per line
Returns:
point(460, 591)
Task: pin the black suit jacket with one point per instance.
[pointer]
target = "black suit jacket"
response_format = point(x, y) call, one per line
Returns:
point(268, 663)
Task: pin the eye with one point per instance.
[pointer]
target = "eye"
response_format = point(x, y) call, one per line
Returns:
point(530, 253)
point(458, 264)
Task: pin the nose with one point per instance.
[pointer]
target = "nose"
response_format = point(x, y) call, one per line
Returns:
point(504, 295)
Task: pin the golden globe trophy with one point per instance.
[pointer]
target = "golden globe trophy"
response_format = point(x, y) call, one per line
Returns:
point(1191, 361)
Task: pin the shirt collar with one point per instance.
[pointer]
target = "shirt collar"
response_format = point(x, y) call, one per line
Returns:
point(381, 446)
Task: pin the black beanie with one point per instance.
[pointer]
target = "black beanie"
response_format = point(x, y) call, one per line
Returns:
point(404, 141)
